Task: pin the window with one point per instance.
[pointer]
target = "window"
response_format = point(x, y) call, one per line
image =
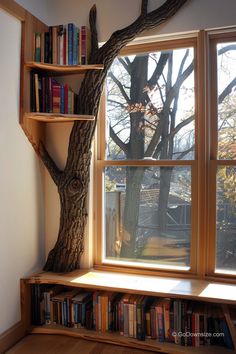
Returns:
point(165, 200)
point(223, 153)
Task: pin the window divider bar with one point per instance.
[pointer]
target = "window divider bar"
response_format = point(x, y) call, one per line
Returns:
point(146, 162)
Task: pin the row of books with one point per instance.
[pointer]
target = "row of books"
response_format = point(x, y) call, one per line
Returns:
point(63, 44)
point(50, 96)
point(137, 316)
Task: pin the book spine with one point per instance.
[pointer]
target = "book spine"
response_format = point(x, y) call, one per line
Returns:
point(56, 91)
point(37, 51)
point(70, 43)
point(75, 45)
point(166, 310)
point(42, 47)
point(50, 45)
point(160, 319)
point(126, 319)
point(43, 94)
point(36, 86)
point(131, 320)
point(66, 45)
point(54, 45)
point(83, 44)
point(32, 92)
point(62, 101)
point(47, 314)
point(148, 324)
point(61, 35)
point(46, 47)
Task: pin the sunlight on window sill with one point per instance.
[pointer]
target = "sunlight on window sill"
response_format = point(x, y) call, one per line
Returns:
point(216, 291)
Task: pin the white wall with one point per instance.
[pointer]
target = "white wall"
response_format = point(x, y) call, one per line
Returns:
point(21, 193)
point(40, 9)
point(114, 14)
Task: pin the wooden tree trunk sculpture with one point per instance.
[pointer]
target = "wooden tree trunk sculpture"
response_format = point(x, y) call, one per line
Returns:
point(73, 181)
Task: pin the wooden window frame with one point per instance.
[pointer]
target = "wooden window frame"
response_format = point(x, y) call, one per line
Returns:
point(213, 38)
point(203, 167)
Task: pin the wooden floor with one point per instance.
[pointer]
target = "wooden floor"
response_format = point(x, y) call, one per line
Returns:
point(55, 344)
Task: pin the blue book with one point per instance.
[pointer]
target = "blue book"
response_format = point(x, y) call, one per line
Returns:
point(75, 45)
point(70, 28)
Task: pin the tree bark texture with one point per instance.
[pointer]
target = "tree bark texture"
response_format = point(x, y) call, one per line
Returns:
point(73, 182)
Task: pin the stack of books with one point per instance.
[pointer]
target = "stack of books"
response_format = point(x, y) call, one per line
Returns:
point(50, 96)
point(63, 44)
point(182, 322)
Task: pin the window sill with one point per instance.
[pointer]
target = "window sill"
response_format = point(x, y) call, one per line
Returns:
point(192, 289)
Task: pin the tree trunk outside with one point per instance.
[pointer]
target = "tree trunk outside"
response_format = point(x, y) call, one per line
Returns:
point(165, 178)
point(134, 178)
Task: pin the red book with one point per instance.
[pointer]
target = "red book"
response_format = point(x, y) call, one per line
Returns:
point(66, 90)
point(85, 43)
point(56, 97)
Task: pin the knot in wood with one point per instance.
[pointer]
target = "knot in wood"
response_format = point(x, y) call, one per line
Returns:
point(74, 185)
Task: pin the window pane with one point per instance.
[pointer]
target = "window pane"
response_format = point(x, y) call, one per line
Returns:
point(226, 219)
point(226, 62)
point(150, 106)
point(148, 214)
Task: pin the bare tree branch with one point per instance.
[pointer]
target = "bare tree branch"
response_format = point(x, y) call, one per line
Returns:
point(125, 64)
point(175, 88)
point(226, 49)
point(117, 140)
point(144, 7)
point(169, 73)
point(116, 103)
point(120, 86)
point(227, 90)
point(182, 124)
point(151, 20)
point(158, 70)
point(49, 163)
point(155, 148)
point(94, 36)
point(184, 153)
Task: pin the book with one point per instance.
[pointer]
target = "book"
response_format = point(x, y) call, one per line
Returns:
point(32, 92)
point(37, 46)
point(36, 87)
point(46, 47)
point(85, 44)
point(70, 30)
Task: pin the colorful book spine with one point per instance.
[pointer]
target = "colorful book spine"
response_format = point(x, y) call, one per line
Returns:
point(101, 310)
point(75, 45)
point(70, 29)
point(85, 44)
point(56, 97)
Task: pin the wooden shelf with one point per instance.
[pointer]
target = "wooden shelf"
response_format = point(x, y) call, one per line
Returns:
point(116, 339)
point(62, 69)
point(191, 289)
point(57, 117)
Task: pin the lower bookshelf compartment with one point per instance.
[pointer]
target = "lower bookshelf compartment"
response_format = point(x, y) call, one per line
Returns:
point(117, 339)
point(68, 305)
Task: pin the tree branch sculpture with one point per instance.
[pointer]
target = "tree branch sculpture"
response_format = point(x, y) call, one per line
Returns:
point(73, 181)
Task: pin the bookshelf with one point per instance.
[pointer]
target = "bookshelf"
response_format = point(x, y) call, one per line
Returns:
point(57, 69)
point(174, 288)
point(55, 118)
point(33, 123)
